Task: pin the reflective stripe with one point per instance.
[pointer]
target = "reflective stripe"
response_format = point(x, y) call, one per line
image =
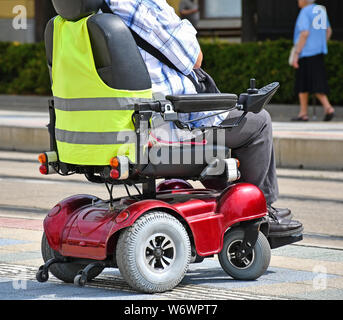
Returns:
point(94, 154)
point(90, 104)
point(99, 138)
point(95, 121)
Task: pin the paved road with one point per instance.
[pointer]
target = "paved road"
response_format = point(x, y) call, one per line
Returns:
point(311, 269)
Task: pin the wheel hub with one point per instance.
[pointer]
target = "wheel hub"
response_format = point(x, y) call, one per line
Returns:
point(159, 252)
point(237, 257)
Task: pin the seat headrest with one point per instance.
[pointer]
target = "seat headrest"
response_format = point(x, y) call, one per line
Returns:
point(76, 9)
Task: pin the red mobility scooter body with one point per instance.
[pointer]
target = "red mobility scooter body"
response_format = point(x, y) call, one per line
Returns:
point(84, 226)
point(154, 236)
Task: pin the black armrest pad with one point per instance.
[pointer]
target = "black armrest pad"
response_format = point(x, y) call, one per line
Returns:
point(187, 103)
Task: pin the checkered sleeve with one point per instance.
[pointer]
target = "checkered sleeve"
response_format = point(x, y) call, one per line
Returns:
point(157, 23)
point(177, 40)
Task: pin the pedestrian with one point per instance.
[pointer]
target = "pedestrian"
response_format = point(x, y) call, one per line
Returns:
point(311, 34)
point(251, 142)
point(189, 9)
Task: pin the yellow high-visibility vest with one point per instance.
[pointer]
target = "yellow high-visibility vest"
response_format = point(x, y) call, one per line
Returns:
point(93, 120)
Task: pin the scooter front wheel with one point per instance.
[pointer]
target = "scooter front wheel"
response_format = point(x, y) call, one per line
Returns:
point(63, 271)
point(251, 266)
point(153, 254)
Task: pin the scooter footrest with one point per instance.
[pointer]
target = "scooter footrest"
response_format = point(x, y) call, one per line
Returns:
point(276, 242)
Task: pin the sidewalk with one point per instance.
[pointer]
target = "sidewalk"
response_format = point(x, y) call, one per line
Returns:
point(311, 145)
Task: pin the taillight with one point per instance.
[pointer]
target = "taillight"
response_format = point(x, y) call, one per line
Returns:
point(114, 162)
point(42, 158)
point(238, 163)
point(120, 168)
point(232, 171)
point(114, 174)
point(43, 169)
point(45, 159)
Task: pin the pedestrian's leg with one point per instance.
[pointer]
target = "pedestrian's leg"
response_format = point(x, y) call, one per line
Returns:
point(303, 98)
point(328, 109)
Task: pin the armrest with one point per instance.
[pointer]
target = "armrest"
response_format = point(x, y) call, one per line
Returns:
point(187, 103)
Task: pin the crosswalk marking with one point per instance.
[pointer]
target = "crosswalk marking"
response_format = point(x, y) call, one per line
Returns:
point(113, 282)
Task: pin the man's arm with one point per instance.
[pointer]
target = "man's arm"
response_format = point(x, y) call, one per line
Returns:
point(158, 24)
point(186, 12)
point(299, 46)
point(199, 60)
point(328, 33)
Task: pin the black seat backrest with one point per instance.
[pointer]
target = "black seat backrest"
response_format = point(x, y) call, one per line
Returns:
point(116, 55)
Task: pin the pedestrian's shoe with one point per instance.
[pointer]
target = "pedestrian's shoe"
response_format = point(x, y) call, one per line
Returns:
point(279, 227)
point(301, 118)
point(328, 116)
point(283, 213)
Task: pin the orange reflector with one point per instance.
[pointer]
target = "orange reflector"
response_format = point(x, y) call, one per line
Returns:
point(238, 163)
point(114, 162)
point(42, 158)
point(122, 217)
point(43, 169)
point(114, 174)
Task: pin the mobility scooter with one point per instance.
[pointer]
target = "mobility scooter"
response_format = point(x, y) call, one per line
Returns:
point(101, 90)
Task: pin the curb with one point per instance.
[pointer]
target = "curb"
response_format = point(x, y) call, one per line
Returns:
point(309, 153)
point(290, 151)
point(24, 139)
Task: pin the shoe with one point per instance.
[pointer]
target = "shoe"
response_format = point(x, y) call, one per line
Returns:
point(282, 213)
point(303, 118)
point(329, 116)
point(279, 227)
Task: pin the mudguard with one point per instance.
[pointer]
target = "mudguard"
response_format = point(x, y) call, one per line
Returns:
point(237, 203)
point(83, 226)
point(60, 215)
point(173, 184)
point(241, 202)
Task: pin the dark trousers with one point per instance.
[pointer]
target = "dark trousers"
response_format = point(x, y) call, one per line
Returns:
point(252, 143)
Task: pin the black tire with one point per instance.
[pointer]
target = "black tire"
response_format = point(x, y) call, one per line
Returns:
point(251, 268)
point(42, 276)
point(64, 271)
point(78, 281)
point(153, 254)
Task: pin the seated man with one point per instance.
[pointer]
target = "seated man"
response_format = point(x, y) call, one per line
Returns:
point(251, 142)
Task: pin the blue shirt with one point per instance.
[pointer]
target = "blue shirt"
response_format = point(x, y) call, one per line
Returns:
point(312, 18)
point(157, 23)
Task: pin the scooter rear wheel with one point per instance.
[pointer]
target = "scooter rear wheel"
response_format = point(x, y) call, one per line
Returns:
point(253, 265)
point(153, 254)
point(64, 271)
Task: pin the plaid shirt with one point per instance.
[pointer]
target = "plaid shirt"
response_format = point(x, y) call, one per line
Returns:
point(157, 23)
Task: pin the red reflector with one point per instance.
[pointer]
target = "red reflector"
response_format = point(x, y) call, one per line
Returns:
point(122, 217)
point(54, 211)
point(43, 169)
point(114, 174)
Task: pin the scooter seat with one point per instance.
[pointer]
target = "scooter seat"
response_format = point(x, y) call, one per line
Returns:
point(185, 162)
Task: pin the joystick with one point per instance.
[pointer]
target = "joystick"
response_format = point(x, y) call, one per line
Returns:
point(252, 89)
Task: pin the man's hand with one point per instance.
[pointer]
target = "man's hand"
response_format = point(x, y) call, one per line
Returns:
point(199, 61)
point(296, 61)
